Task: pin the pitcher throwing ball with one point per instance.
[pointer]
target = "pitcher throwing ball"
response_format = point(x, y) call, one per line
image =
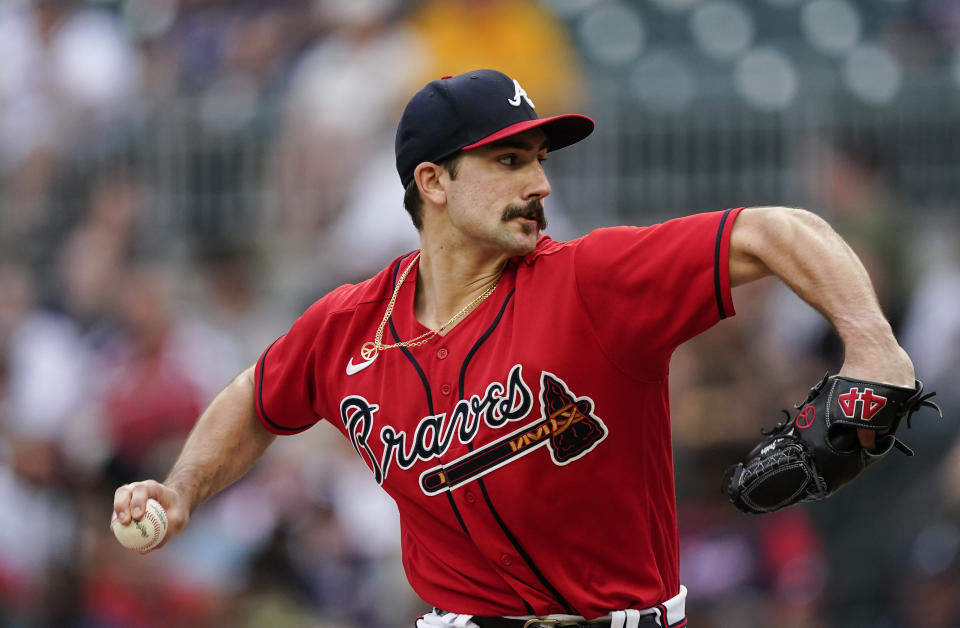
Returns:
point(510, 391)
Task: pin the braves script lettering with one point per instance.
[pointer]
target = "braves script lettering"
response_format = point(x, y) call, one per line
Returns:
point(433, 435)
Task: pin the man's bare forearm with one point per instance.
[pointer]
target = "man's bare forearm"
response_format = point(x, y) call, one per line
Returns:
point(224, 444)
point(808, 255)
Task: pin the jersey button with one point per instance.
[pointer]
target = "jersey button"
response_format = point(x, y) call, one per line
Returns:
point(506, 560)
point(445, 389)
point(470, 497)
point(442, 353)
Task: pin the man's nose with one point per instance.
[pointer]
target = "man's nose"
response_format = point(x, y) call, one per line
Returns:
point(539, 185)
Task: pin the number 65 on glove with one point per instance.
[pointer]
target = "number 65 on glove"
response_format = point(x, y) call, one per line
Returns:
point(814, 454)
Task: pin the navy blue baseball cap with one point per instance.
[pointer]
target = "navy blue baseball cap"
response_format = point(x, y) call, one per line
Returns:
point(470, 110)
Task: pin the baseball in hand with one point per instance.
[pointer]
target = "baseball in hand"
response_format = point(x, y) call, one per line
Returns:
point(145, 533)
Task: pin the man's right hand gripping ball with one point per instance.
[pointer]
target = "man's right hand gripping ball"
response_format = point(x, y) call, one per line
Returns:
point(814, 454)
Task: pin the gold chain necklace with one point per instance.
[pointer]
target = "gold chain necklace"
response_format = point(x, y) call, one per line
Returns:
point(370, 349)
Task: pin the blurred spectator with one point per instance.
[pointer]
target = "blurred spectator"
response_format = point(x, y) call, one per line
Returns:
point(849, 184)
point(230, 293)
point(159, 376)
point(234, 60)
point(943, 16)
point(86, 266)
point(930, 578)
point(522, 38)
point(950, 478)
point(17, 296)
point(42, 361)
point(69, 79)
point(121, 588)
point(704, 379)
point(345, 91)
point(932, 326)
point(220, 42)
point(747, 572)
point(932, 332)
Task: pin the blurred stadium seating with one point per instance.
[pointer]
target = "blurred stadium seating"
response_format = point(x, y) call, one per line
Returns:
point(180, 178)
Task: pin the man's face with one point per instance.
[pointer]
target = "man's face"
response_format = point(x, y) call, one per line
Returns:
point(497, 196)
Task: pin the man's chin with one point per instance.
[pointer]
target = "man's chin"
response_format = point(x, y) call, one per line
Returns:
point(526, 244)
point(521, 237)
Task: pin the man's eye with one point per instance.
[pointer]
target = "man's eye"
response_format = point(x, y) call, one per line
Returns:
point(508, 160)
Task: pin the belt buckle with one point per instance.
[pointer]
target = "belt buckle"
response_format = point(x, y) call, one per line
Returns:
point(533, 623)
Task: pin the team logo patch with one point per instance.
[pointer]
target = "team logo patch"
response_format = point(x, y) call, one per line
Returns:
point(868, 402)
point(575, 429)
point(567, 427)
point(519, 95)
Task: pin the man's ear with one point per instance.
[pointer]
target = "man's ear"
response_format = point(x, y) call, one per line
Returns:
point(430, 179)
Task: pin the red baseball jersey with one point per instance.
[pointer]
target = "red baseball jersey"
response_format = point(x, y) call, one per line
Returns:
point(528, 449)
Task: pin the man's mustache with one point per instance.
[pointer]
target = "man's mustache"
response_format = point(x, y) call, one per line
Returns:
point(531, 211)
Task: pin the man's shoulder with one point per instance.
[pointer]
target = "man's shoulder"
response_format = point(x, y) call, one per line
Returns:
point(604, 241)
point(348, 297)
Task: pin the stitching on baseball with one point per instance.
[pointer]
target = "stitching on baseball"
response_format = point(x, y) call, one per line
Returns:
point(156, 529)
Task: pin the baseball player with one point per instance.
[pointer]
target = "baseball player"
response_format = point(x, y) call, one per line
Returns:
point(510, 391)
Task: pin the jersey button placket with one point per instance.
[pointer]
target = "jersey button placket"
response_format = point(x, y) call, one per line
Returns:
point(442, 353)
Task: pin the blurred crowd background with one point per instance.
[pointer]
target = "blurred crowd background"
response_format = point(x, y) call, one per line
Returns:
point(179, 179)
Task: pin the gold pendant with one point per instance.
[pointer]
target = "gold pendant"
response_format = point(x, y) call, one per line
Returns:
point(368, 350)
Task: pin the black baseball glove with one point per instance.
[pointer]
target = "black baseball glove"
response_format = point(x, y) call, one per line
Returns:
point(812, 455)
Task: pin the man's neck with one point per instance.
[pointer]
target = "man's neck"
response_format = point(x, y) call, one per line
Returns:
point(449, 278)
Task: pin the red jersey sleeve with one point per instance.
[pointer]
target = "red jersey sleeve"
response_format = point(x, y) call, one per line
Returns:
point(648, 289)
point(285, 376)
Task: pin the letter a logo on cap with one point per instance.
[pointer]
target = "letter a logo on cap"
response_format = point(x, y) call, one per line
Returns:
point(519, 93)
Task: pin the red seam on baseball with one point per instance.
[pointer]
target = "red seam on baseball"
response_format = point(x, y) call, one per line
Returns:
point(156, 528)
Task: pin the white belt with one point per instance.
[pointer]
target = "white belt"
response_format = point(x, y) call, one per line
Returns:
point(669, 614)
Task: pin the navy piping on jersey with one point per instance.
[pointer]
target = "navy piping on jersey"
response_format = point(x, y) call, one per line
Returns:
point(263, 411)
point(483, 488)
point(716, 265)
point(426, 388)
